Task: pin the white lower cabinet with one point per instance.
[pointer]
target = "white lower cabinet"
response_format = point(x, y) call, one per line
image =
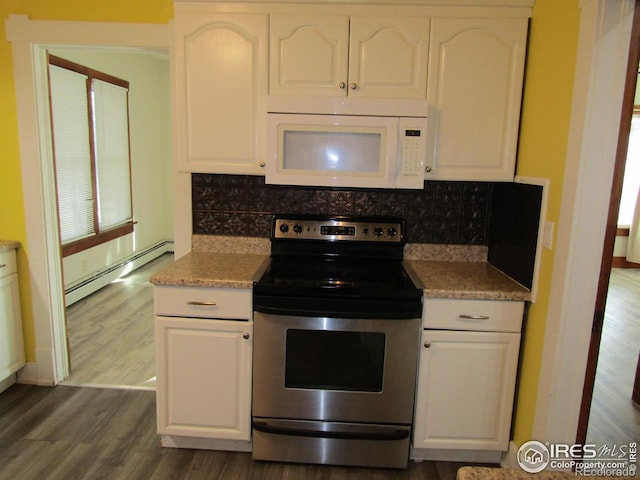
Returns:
point(204, 380)
point(11, 343)
point(466, 381)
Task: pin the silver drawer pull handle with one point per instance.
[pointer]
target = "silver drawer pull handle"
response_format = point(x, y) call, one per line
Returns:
point(473, 317)
point(197, 303)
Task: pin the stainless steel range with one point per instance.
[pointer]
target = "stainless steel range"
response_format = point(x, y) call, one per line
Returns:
point(336, 331)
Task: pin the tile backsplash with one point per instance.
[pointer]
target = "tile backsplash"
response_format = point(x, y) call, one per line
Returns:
point(442, 213)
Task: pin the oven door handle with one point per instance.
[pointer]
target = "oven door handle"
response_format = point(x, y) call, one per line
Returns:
point(358, 434)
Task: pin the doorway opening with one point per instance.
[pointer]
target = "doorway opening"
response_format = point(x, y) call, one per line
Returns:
point(607, 413)
point(108, 299)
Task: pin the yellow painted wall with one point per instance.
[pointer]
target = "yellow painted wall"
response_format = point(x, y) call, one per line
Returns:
point(12, 221)
point(544, 132)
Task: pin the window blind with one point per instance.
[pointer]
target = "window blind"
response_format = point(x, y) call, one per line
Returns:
point(70, 115)
point(111, 138)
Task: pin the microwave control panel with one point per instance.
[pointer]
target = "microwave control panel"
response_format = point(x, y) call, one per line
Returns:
point(411, 162)
point(412, 152)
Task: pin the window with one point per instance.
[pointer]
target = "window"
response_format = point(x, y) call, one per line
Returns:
point(631, 182)
point(90, 121)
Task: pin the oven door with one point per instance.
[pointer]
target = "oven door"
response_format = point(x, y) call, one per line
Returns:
point(335, 369)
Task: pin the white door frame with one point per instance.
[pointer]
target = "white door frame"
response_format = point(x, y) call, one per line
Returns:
point(600, 75)
point(29, 39)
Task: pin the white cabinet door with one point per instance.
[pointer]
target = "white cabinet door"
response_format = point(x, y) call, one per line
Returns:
point(388, 57)
point(220, 73)
point(11, 343)
point(308, 55)
point(203, 377)
point(336, 56)
point(476, 68)
point(466, 384)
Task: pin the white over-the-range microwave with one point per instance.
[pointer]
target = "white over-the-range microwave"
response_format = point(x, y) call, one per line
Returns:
point(346, 150)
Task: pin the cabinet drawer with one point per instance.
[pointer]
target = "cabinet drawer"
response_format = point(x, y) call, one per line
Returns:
point(474, 315)
point(233, 303)
point(8, 263)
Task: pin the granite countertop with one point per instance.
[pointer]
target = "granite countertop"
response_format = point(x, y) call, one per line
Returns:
point(441, 271)
point(208, 269)
point(8, 245)
point(465, 280)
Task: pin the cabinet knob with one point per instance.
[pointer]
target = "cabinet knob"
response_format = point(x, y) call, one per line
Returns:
point(246, 336)
point(428, 169)
point(342, 85)
point(262, 164)
point(353, 86)
point(427, 344)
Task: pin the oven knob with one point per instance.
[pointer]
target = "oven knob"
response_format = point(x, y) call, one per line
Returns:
point(284, 228)
point(392, 232)
point(378, 231)
point(297, 228)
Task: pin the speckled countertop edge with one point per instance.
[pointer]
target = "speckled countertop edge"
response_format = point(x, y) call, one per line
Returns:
point(465, 280)
point(211, 269)
point(8, 245)
point(442, 271)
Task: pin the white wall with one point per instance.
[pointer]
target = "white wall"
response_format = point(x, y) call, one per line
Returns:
point(149, 110)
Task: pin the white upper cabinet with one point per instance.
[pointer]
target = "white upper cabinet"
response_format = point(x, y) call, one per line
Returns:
point(308, 55)
point(220, 78)
point(461, 66)
point(339, 56)
point(476, 69)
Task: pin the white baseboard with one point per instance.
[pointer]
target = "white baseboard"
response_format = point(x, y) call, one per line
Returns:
point(113, 272)
point(476, 456)
point(174, 441)
point(29, 375)
point(510, 459)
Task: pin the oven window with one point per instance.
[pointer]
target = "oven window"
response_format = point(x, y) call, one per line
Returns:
point(329, 360)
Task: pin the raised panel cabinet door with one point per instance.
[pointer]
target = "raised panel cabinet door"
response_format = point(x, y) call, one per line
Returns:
point(466, 383)
point(308, 55)
point(204, 377)
point(11, 344)
point(474, 92)
point(221, 88)
point(388, 57)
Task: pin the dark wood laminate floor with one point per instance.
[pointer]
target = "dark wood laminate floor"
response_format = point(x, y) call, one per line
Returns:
point(68, 432)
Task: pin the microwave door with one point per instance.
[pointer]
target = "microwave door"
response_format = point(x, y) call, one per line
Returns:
point(330, 150)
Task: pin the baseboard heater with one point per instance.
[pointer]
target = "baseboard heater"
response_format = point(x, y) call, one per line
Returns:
point(98, 279)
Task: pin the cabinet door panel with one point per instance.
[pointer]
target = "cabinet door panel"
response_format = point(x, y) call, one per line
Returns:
point(11, 343)
point(204, 378)
point(308, 55)
point(388, 57)
point(465, 390)
point(221, 90)
point(474, 94)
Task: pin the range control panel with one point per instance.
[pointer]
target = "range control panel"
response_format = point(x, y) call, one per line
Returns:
point(365, 229)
